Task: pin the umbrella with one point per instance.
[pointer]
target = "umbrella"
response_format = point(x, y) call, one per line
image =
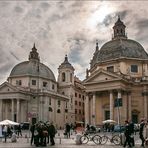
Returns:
point(109, 121)
point(8, 122)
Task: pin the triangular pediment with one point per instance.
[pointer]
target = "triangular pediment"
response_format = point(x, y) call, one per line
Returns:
point(102, 75)
point(7, 87)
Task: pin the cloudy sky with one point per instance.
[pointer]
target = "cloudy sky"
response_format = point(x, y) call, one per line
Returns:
point(64, 27)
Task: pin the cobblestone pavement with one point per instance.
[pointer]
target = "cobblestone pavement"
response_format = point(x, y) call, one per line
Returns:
point(61, 142)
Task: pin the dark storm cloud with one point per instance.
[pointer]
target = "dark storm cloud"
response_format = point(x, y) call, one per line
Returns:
point(75, 51)
point(34, 13)
point(109, 19)
point(142, 29)
point(45, 6)
point(142, 24)
point(18, 9)
point(4, 4)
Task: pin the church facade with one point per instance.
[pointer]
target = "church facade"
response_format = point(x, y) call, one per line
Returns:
point(31, 93)
point(117, 80)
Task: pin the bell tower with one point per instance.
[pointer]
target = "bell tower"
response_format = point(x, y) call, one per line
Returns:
point(66, 73)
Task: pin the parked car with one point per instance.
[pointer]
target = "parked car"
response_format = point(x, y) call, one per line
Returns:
point(25, 125)
point(119, 128)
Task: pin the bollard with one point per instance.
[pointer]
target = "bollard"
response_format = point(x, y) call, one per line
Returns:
point(60, 140)
point(27, 138)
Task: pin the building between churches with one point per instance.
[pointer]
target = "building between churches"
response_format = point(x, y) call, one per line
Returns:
point(31, 93)
point(117, 80)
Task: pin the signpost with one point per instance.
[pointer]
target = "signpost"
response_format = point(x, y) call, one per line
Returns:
point(118, 103)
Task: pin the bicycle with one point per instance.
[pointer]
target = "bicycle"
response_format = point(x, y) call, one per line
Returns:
point(114, 139)
point(88, 137)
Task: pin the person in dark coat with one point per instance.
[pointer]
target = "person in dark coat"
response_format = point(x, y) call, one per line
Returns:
point(127, 134)
point(19, 130)
point(131, 126)
point(32, 129)
point(52, 132)
point(142, 124)
point(68, 130)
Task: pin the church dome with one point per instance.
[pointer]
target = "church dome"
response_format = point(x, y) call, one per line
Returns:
point(33, 67)
point(119, 47)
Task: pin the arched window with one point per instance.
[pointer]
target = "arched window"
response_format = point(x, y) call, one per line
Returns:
point(63, 77)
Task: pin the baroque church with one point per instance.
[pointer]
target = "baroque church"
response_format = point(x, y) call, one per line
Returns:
point(31, 93)
point(117, 80)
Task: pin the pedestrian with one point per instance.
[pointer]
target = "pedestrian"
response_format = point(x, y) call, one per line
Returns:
point(87, 127)
point(19, 130)
point(131, 127)
point(52, 132)
point(32, 129)
point(67, 130)
point(127, 134)
point(142, 124)
point(5, 132)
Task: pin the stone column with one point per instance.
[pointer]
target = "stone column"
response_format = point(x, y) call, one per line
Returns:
point(111, 105)
point(1, 109)
point(118, 111)
point(94, 109)
point(87, 109)
point(129, 106)
point(18, 109)
point(145, 101)
point(12, 109)
point(145, 106)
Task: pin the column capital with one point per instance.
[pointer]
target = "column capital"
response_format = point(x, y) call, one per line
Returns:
point(90, 94)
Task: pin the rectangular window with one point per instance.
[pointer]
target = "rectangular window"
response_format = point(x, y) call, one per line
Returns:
point(75, 111)
point(134, 68)
point(75, 94)
point(59, 103)
point(79, 95)
point(33, 82)
point(18, 82)
point(75, 102)
point(53, 86)
point(110, 68)
point(107, 115)
point(44, 84)
point(49, 101)
point(79, 103)
point(79, 111)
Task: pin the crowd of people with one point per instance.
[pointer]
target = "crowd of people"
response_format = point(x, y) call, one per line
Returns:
point(12, 132)
point(129, 133)
point(42, 132)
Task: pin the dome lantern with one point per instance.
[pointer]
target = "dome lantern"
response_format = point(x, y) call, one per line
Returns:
point(119, 29)
point(34, 54)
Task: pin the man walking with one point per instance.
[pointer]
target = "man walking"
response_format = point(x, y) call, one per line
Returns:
point(131, 127)
point(142, 124)
point(52, 132)
point(32, 129)
point(127, 134)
